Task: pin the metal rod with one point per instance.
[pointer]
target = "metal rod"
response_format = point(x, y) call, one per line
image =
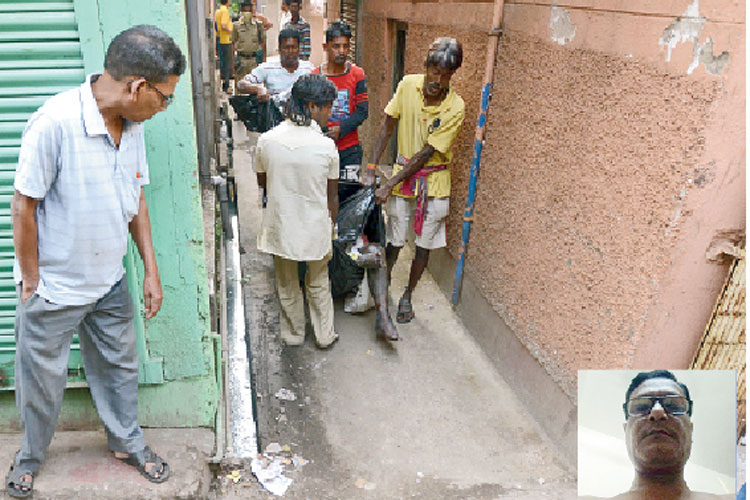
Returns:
point(489, 75)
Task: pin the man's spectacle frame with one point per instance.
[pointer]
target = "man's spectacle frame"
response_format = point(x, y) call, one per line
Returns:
point(672, 404)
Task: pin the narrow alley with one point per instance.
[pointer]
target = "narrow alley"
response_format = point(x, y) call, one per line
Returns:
point(426, 417)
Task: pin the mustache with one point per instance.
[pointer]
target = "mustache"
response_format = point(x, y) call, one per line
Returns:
point(434, 87)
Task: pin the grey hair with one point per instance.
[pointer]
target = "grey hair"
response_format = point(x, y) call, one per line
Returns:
point(146, 51)
point(311, 87)
point(446, 53)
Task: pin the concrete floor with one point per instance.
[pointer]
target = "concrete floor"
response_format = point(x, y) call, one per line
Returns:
point(79, 466)
point(427, 417)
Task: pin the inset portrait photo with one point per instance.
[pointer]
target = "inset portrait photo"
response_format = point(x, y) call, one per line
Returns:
point(661, 434)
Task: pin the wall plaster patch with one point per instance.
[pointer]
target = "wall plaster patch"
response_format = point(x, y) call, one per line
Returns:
point(705, 54)
point(688, 28)
point(563, 30)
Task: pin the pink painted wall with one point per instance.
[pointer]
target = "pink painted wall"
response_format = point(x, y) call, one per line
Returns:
point(607, 168)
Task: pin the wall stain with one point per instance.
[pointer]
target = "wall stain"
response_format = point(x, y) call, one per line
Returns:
point(563, 30)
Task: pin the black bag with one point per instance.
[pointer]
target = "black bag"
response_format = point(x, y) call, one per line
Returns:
point(345, 273)
point(257, 116)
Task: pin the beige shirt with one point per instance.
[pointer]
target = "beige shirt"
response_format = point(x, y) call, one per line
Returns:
point(298, 162)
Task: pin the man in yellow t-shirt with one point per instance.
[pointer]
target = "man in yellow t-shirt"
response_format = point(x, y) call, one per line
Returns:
point(429, 114)
point(224, 29)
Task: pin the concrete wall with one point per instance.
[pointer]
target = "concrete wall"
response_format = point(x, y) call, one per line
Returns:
point(614, 155)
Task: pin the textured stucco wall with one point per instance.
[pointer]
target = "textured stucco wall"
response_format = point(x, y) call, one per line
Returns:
point(614, 153)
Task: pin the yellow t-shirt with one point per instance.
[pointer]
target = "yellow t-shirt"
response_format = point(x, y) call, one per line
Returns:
point(223, 17)
point(419, 125)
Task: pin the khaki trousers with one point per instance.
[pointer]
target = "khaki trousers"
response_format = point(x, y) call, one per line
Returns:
point(292, 304)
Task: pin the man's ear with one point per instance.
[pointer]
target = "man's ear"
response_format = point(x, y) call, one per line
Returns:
point(134, 86)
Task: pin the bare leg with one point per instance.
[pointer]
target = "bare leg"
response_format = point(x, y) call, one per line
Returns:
point(391, 255)
point(418, 265)
point(377, 279)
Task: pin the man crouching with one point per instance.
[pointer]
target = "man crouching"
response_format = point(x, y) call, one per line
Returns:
point(299, 168)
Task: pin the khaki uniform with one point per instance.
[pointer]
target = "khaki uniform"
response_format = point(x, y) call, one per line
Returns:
point(248, 39)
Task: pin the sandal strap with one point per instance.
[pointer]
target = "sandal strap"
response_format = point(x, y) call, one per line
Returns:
point(15, 474)
point(147, 455)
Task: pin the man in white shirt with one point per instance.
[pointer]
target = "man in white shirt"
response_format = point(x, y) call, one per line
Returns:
point(299, 168)
point(78, 193)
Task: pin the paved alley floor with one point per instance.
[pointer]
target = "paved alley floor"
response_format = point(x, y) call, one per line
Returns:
point(79, 466)
point(426, 417)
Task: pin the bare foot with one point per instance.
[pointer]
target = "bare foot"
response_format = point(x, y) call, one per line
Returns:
point(385, 327)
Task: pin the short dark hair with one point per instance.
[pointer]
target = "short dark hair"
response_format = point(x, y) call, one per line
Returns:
point(337, 29)
point(445, 53)
point(643, 376)
point(146, 51)
point(289, 2)
point(290, 33)
point(246, 3)
point(224, 2)
point(311, 87)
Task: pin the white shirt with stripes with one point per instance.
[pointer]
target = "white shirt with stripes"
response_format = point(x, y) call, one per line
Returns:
point(88, 191)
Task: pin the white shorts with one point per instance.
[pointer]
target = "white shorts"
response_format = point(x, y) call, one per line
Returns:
point(400, 212)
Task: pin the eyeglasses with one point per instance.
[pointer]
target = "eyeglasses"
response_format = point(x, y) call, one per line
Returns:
point(641, 406)
point(168, 99)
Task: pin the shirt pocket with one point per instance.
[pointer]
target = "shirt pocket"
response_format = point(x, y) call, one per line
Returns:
point(129, 192)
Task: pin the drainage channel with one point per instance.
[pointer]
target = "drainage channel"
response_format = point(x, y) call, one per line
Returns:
point(239, 424)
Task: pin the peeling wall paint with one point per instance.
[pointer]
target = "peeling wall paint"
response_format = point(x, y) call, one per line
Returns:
point(688, 29)
point(704, 54)
point(563, 30)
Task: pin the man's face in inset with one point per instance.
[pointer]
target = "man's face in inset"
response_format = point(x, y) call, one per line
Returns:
point(658, 442)
point(437, 80)
point(337, 49)
point(289, 52)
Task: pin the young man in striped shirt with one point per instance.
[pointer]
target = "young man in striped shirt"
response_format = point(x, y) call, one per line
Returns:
point(298, 23)
point(274, 79)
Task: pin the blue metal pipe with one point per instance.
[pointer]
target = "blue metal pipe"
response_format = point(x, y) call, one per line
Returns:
point(474, 176)
point(478, 143)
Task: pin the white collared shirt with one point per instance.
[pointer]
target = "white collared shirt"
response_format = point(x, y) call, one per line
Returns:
point(298, 162)
point(89, 191)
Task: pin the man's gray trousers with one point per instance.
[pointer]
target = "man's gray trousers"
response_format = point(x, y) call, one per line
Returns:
point(44, 332)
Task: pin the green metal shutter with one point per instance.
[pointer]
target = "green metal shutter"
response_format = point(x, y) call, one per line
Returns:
point(40, 55)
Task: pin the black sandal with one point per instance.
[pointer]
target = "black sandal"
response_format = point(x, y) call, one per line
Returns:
point(160, 470)
point(405, 312)
point(17, 487)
